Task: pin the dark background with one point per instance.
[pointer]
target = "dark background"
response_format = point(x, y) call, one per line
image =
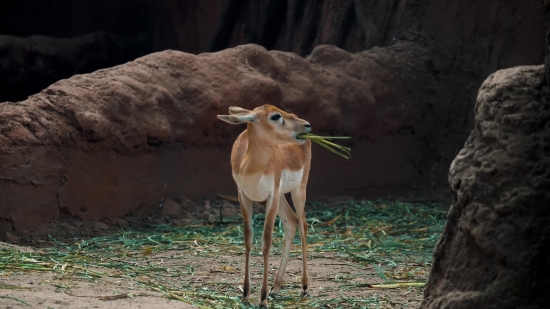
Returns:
point(470, 37)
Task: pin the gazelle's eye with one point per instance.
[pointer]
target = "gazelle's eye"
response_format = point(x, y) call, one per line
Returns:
point(275, 117)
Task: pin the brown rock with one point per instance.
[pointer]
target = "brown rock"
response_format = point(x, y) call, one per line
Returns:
point(494, 252)
point(144, 211)
point(171, 208)
point(31, 178)
point(11, 237)
point(159, 221)
point(81, 143)
point(466, 41)
point(189, 208)
point(101, 144)
point(98, 225)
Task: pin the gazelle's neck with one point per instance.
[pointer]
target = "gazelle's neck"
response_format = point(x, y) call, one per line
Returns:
point(257, 156)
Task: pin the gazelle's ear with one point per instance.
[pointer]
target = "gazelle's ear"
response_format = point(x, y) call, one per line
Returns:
point(235, 110)
point(238, 119)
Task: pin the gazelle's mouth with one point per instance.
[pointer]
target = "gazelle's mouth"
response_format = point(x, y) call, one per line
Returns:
point(300, 140)
point(301, 137)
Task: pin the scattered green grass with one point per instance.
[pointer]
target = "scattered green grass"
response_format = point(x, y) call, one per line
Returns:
point(16, 299)
point(377, 234)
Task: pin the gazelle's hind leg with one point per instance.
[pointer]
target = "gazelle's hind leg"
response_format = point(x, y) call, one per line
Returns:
point(299, 199)
point(290, 221)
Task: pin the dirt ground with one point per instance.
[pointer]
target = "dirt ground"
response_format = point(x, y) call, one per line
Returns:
point(331, 278)
point(337, 279)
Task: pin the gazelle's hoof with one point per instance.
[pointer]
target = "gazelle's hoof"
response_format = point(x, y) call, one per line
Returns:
point(272, 293)
point(305, 290)
point(263, 300)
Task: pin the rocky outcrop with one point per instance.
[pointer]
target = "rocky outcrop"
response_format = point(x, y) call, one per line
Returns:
point(65, 149)
point(102, 144)
point(466, 41)
point(495, 246)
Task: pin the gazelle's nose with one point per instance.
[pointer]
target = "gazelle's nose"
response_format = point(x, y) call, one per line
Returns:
point(307, 126)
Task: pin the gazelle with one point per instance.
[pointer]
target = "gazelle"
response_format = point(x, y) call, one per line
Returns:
point(268, 160)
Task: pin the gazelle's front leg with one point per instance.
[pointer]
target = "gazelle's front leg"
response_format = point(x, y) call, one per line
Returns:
point(272, 205)
point(290, 221)
point(246, 209)
point(299, 199)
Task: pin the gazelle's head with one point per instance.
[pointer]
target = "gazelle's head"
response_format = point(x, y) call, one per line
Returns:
point(269, 123)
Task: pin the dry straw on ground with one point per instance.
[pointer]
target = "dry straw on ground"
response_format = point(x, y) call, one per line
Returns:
point(364, 254)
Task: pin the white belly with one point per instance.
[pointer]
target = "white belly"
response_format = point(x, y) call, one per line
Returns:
point(260, 190)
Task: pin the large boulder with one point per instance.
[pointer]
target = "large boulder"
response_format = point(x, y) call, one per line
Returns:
point(467, 42)
point(494, 252)
point(102, 144)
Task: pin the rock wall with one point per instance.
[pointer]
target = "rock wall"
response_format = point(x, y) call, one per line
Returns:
point(495, 246)
point(466, 41)
point(100, 144)
point(414, 89)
